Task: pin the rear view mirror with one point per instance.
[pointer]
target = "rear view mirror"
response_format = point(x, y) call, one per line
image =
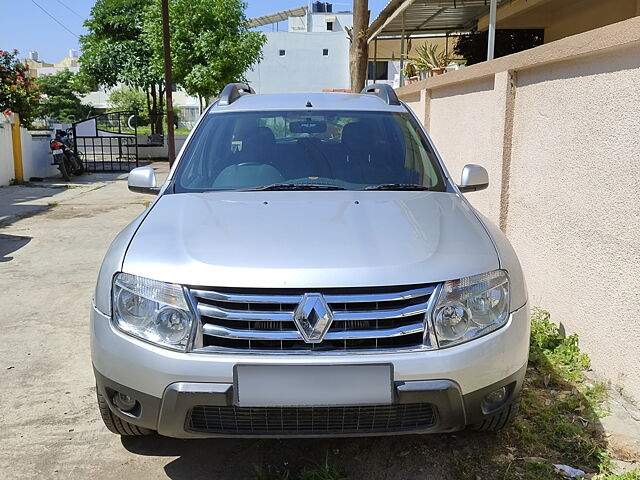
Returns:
point(473, 178)
point(143, 180)
point(308, 126)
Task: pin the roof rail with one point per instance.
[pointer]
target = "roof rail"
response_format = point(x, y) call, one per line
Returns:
point(384, 91)
point(232, 92)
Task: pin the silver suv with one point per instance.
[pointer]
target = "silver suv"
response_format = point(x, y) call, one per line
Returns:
point(309, 268)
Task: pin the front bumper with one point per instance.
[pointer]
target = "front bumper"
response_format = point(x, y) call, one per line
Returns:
point(167, 384)
point(428, 406)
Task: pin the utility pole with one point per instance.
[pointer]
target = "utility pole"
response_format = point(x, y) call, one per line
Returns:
point(359, 50)
point(492, 29)
point(168, 81)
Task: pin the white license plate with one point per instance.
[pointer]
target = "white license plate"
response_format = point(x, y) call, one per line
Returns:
point(312, 385)
point(57, 156)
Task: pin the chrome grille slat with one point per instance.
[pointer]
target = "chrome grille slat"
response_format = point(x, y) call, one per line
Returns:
point(286, 316)
point(217, 312)
point(261, 320)
point(219, 331)
point(330, 298)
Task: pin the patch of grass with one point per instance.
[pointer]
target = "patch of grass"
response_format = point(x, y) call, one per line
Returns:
point(270, 473)
point(633, 475)
point(52, 204)
point(324, 472)
point(20, 183)
point(553, 354)
point(146, 130)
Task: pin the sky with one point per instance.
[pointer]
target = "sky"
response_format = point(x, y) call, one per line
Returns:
point(28, 24)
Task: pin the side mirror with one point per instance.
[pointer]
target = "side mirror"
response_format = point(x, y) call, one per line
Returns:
point(473, 178)
point(143, 180)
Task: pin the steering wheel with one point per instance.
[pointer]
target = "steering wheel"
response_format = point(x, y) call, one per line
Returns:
point(309, 144)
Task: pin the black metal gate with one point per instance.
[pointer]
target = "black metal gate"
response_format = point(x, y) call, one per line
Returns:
point(108, 142)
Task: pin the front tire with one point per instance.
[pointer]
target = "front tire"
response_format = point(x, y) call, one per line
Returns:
point(118, 426)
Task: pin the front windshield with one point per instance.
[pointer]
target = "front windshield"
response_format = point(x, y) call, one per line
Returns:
point(317, 149)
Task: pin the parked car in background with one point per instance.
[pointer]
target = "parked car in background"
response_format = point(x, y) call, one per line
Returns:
point(309, 268)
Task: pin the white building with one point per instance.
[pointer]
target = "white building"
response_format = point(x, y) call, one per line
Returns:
point(312, 55)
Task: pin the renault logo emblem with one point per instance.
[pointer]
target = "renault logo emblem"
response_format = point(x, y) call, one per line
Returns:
point(313, 317)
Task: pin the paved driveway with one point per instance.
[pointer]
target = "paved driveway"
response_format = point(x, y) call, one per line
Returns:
point(51, 246)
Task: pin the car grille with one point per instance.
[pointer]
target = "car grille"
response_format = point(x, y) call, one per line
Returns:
point(311, 420)
point(262, 320)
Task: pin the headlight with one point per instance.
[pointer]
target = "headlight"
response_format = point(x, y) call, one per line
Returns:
point(153, 311)
point(471, 307)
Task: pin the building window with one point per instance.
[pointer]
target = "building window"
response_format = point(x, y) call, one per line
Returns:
point(330, 26)
point(325, 51)
point(378, 71)
point(282, 53)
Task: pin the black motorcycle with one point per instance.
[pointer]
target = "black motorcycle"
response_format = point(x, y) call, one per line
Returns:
point(68, 162)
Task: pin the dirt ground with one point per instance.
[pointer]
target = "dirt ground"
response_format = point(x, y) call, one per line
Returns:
point(52, 241)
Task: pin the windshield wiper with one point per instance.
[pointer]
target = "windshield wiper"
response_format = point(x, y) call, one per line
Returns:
point(296, 186)
point(398, 186)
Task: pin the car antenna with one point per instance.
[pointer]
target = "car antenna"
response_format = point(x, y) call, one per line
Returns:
point(309, 104)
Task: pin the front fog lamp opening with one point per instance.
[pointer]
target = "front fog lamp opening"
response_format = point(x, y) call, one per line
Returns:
point(125, 403)
point(497, 398)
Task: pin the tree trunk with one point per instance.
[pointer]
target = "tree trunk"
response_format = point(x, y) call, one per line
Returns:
point(359, 51)
point(162, 113)
point(146, 90)
point(153, 113)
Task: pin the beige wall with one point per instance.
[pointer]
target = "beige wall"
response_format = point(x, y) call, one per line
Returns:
point(389, 48)
point(561, 122)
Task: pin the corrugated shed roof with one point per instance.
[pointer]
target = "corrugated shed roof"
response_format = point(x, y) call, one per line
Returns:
point(277, 17)
point(428, 16)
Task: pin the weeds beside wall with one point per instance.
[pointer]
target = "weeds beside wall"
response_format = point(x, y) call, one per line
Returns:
point(557, 128)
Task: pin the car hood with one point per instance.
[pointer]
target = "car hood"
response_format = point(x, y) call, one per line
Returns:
point(310, 239)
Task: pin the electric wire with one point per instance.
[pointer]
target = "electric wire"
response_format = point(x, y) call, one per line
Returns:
point(70, 9)
point(55, 19)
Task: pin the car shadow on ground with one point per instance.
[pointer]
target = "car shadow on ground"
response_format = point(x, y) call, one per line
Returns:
point(413, 456)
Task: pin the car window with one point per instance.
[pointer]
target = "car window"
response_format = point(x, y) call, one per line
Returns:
point(351, 150)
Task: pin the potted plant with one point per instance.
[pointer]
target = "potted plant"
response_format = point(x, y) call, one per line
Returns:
point(410, 73)
point(430, 59)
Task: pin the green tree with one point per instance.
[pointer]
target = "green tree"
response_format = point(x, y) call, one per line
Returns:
point(61, 97)
point(211, 44)
point(114, 52)
point(127, 99)
point(473, 46)
point(17, 92)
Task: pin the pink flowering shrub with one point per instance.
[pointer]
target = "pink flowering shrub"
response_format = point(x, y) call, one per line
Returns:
point(17, 92)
